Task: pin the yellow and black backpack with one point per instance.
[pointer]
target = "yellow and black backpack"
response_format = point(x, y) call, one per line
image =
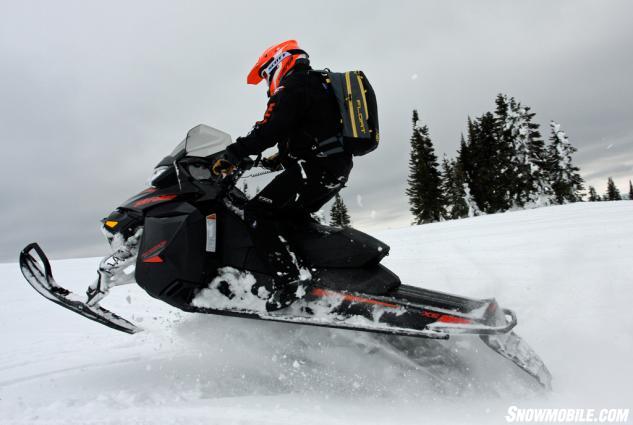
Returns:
point(359, 112)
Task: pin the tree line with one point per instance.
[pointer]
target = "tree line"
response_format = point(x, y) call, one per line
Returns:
point(503, 163)
point(612, 193)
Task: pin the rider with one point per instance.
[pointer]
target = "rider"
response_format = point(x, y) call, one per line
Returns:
point(300, 115)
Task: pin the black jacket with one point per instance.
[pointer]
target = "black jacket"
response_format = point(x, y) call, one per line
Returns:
point(301, 112)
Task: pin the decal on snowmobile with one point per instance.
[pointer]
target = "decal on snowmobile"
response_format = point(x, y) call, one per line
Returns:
point(154, 199)
point(151, 255)
point(444, 317)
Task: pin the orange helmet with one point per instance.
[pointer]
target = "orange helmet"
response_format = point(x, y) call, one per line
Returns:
point(274, 63)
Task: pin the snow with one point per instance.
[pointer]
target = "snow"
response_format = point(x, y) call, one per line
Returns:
point(565, 270)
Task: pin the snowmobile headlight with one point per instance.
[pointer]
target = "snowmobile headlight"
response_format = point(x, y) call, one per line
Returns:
point(158, 171)
point(111, 224)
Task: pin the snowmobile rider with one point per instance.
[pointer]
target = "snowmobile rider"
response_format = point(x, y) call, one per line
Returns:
point(300, 115)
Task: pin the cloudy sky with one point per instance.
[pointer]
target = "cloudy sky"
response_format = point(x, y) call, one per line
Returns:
point(93, 94)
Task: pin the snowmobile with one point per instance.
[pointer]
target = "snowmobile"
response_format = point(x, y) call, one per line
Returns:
point(184, 241)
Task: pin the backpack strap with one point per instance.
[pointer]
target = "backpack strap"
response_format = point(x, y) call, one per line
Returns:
point(330, 146)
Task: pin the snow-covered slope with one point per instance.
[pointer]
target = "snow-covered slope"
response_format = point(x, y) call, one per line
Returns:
point(565, 270)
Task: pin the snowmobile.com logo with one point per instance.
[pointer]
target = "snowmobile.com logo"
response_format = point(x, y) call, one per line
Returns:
point(518, 415)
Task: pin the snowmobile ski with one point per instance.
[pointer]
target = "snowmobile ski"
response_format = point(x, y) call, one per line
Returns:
point(44, 283)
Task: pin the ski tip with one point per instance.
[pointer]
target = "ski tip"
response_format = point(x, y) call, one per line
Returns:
point(29, 248)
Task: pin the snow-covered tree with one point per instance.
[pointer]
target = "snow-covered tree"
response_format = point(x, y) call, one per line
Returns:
point(473, 208)
point(527, 174)
point(565, 181)
point(453, 189)
point(513, 160)
point(613, 194)
point(593, 195)
point(425, 196)
point(630, 190)
point(338, 213)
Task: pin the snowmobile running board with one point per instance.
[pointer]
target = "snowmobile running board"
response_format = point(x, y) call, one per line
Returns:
point(38, 273)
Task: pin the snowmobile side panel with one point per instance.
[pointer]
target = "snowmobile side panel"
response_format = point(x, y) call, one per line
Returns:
point(44, 283)
point(171, 261)
point(236, 246)
point(339, 248)
point(373, 280)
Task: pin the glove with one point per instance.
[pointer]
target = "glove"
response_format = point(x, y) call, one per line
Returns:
point(223, 166)
point(273, 162)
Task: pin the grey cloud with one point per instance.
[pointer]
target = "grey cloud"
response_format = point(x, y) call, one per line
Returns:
point(92, 95)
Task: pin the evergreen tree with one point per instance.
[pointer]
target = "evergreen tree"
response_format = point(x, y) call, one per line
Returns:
point(613, 194)
point(245, 189)
point(513, 168)
point(338, 214)
point(481, 160)
point(453, 189)
point(565, 181)
point(530, 160)
point(425, 196)
point(593, 196)
point(630, 190)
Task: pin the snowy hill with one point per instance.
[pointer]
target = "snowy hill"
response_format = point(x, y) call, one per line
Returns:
point(566, 271)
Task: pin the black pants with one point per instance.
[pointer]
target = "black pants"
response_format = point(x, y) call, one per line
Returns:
point(293, 194)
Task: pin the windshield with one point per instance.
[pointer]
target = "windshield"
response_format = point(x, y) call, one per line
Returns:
point(203, 141)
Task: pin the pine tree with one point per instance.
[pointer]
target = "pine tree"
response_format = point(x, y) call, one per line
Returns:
point(630, 190)
point(338, 214)
point(245, 189)
point(564, 179)
point(425, 196)
point(593, 195)
point(481, 159)
point(530, 162)
point(613, 194)
point(453, 189)
point(506, 129)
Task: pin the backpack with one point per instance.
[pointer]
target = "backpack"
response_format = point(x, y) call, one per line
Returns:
point(359, 113)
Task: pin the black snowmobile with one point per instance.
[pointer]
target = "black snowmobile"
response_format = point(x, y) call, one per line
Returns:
point(183, 241)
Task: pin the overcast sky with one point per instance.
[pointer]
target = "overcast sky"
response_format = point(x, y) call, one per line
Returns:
point(94, 94)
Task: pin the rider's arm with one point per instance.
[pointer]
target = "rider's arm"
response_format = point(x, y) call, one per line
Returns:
point(281, 114)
